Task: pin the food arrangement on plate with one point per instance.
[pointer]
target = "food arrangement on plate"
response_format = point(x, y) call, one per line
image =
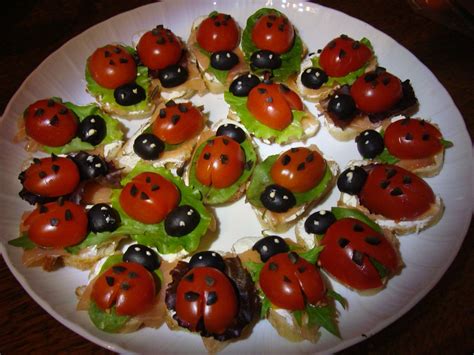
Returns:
point(136, 208)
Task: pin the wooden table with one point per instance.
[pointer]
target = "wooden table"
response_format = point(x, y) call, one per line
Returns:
point(443, 322)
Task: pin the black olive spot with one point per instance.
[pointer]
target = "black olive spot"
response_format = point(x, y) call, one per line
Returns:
point(281, 27)
point(301, 166)
point(111, 62)
point(144, 196)
point(209, 281)
point(182, 108)
point(262, 90)
point(62, 111)
point(285, 160)
point(55, 168)
point(408, 136)
point(211, 298)
point(175, 118)
point(286, 279)
point(125, 286)
point(42, 174)
point(170, 103)
point(224, 159)
point(54, 222)
point(294, 150)
point(293, 257)
point(225, 141)
point(309, 158)
point(356, 45)
point(372, 240)
point(343, 242)
point(206, 156)
point(342, 53)
point(161, 40)
point(273, 266)
point(118, 269)
point(110, 280)
point(123, 60)
point(357, 228)
point(189, 277)
point(117, 50)
point(425, 137)
point(358, 257)
point(36, 161)
point(148, 179)
point(384, 184)
point(54, 121)
point(405, 121)
point(43, 209)
point(248, 165)
point(269, 24)
point(39, 112)
point(50, 103)
point(301, 269)
point(422, 123)
point(162, 113)
point(406, 180)
point(396, 192)
point(370, 77)
point(133, 190)
point(155, 187)
point(391, 173)
point(132, 275)
point(272, 17)
point(107, 54)
point(217, 23)
point(68, 215)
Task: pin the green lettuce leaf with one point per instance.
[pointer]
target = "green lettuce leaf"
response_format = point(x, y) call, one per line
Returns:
point(381, 269)
point(98, 239)
point(324, 317)
point(254, 269)
point(446, 143)
point(109, 322)
point(312, 255)
point(341, 212)
point(266, 305)
point(336, 296)
point(110, 261)
point(23, 242)
point(386, 157)
point(220, 75)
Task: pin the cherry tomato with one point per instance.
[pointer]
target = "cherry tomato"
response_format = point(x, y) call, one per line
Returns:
point(218, 32)
point(349, 244)
point(112, 66)
point(289, 281)
point(220, 163)
point(273, 32)
point(127, 286)
point(177, 123)
point(208, 294)
point(159, 48)
point(395, 193)
point(149, 197)
point(57, 224)
point(51, 177)
point(50, 123)
point(343, 55)
point(298, 169)
point(374, 93)
point(412, 139)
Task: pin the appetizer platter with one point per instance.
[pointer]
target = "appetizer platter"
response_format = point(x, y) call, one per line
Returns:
point(206, 231)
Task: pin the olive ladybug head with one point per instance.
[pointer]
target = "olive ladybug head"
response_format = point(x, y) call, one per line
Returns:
point(277, 198)
point(207, 258)
point(148, 146)
point(232, 131)
point(342, 106)
point(242, 85)
point(352, 180)
point(313, 78)
point(129, 94)
point(142, 255)
point(90, 166)
point(92, 129)
point(224, 60)
point(173, 75)
point(319, 222)
point(269, 246)
point(182, 221)
point(265, 59)
point(103, 218)
point(370, 143)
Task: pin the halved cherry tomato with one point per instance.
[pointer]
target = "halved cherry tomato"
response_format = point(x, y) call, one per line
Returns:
point(50, 123)
point(290, 281)
point(298, 169)
point(159, 48)
point(396, 193)
point(273, 32)
point(112, 66)
point(218, 32)
point(177, 123)
point(343, 55)
point(127, 286)
point(149, 197)
point(220, 163)
point(412, 139)
point(374, 93)
point(207, 294)
point(349, 246)
point(57, 224)
point(51, 177)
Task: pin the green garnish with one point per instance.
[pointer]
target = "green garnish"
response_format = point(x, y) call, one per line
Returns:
point(109, 322)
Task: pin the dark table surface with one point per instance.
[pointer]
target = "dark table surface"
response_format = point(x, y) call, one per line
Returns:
point(443, 322)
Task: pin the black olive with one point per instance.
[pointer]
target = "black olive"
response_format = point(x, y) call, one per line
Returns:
point(242, 85)
point(173, 75)
point(181, 221)
point(148, 146)
point(276, 198)
point(92, 129)
point(352, 180)
point(269, 246)
point(103, 218)
point(342, 106)
point(224, 60)
point(319, 222)
point(90, 166)
point(265, 59)
point(313, 78)
point(129, 94)
point(207, 259)
point(142, 255)
point(232, 131)
point(370, 143)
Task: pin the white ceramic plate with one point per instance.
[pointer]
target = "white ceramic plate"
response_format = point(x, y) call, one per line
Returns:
point(427, 255)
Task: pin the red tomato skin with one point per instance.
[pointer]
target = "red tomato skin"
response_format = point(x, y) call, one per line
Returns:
point(378, 95)
point(49, 227)
point(53, 183)
point(215, 38)
point(270, 37)
point(131, 295)
point(338, 262)
point(217, 316)
point(298, 169)
point(354, 56)
point(220, 163)
point(110, 69)
point(412, 139)
point(143, 202)
point(156, 55)
point(50, 123)
point(176, 131)
point(416, 197)
point(287, 285)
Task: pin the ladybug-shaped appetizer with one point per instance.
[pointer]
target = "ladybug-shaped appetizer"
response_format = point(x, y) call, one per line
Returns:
point(284, 186)
point(222, 164)
point(375, 96)
point(214, 42)
point(269, 111)
point(411, 143)
point(292, 290)
point(213, 296)
point(127, 294)
point(168, 139)
point(355, 250)
point(120, 86)
point(395, 198)
point(271, 44)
